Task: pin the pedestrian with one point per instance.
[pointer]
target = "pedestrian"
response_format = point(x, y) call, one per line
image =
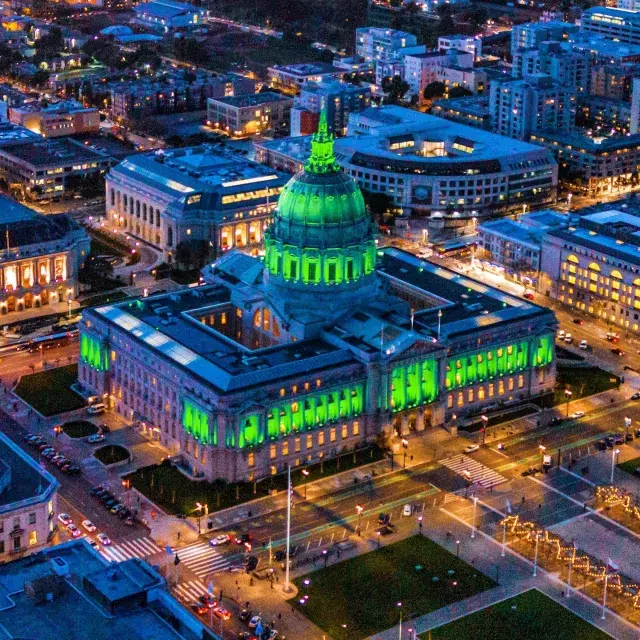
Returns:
point(277, 578)
point(280, 616)
point(249, 514)
point(522, 499)
point(237, 583)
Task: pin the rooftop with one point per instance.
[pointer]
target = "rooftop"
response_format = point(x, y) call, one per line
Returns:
point(59, 106)
point(26, 481)
point(252, 99)
point(81, 600)
point(54, 152)
point(205, 168)
point(14, 134)
point(306, 68)
point(167, 8)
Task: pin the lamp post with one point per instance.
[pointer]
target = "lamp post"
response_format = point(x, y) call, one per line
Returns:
point(504, 537)
point(400, 624)
point(359, 510)
point(200, 509)
point(405, 446)
point(614, 455)
point(604, 597)
point(473, 526)
point(68, 306)
point(567, 395)
point(287, 584)
point(542, 450)
point(485, 422)
point(457, 548)
point(305, 473)
point(420, 524)
point(535, 559)
point(627, 424)
point(439, 322)
point(378, 536)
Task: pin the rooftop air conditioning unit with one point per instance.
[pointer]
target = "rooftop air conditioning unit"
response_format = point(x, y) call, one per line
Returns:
point(60, 566)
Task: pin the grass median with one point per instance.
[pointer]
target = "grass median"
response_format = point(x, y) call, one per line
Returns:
point(359, 597)
point(529, 616)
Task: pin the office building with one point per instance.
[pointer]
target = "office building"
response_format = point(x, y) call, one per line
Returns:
point(535, 103)
point(422, 69)
point(54, 119)
point(471, 110)
point(50, 169)
point(250, 114)
point(466, 44)
point(620, 25)
point(531, 34)
point(312, 351)
point(594, 266)
point(291, 77)
point(71, 591)
point(203, 192)
point(382, 45)
point(28, 503)
point(339, 99)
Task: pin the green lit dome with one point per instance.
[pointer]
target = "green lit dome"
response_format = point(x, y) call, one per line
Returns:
point(322, 236)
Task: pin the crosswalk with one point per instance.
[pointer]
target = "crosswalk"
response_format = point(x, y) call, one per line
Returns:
point(138, 548)
point(202, 559)
point(191, 590)
point(480, 473)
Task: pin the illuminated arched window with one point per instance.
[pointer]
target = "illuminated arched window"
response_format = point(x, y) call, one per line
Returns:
point(594, 266)
point(572, 258)
point(616, 274)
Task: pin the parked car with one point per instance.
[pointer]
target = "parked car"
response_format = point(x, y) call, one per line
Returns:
point(560, 335)
point(618, 439)
point(106, 496)
point(583, 344)
point(617, 351)
point(95, 438)
point(472, 448)
point(49, 455)
point(73, 470)
point(636, 396)
point(117, 507)
point(109, 503)
point(528, 295)
point(105, 428)
point(65, 518)
point(601, 445)
point(96, 491)
point(223, 538)
point(124, 513)
point(104, 539)
point(407, 510)
point(251, 564)
point(568, 338)
point(89, 526)
point(578, 321)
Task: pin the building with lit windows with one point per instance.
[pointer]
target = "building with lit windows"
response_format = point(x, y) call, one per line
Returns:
point(167, 15)
point(61, 118)
point(28, 503)
point(316, 349)
point(621, 25)
point(204, 192)
point(531, 34)
point(40, 257)
point(251, 114)
point(594, 266)
point(291, 77)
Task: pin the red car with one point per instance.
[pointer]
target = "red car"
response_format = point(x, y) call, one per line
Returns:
point(199, 608)
point(222, 613)
point(208, 600)
point(528, 295)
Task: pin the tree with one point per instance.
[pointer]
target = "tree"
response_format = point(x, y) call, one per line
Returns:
point(192, 254)
point(459, 92)
point(477, 17)
point(378, 203)
point(95, 272)
point(434, 90)
point(394, 89)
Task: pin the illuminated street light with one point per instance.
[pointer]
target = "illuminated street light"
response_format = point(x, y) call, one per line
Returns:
point(305, 473)
point(614, 456)
point(473, 526)
point(405, 445)
point(567, 395)
point(359, 510)
point(200, 508)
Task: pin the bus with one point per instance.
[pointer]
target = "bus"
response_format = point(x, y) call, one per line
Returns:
point(52, 341)
point(458, 249)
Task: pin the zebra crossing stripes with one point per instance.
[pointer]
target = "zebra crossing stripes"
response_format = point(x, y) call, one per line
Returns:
point(138, 548)
point(202, 559)
point(191, 590)
point(480, 473)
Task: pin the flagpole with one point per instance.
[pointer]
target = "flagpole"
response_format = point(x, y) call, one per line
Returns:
point(535, 560)
point(504, 537)
point(287, 586)
point(604, 599)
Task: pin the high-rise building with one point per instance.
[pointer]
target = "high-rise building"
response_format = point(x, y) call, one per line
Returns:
point(536, 103)
point(621, 25)
point(531, 34)
point(382, 45)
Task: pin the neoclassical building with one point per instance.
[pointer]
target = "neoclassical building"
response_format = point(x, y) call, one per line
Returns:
point(315, 349)
point(40, 257)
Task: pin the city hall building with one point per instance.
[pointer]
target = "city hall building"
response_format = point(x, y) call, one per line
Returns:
point(317, 348)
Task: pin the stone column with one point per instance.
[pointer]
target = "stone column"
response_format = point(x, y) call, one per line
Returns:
point(420, 426)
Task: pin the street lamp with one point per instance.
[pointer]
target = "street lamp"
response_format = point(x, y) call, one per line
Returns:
point(420, 524)
point(457, 548)
point(200, 508)
point(485, 422)
point(400, 625)
point(405, 445)
point(359, 510)
point(305, 473)
point(473, 526)
point(614, 455)
point(627, 424)
point(378, 535)
point(567, 395)
point(535, 559)
point(542, 450)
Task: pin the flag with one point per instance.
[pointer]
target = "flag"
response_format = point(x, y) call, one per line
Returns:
point(611, 565)
point(176, 560)
point(169, 550)
point(508, 506)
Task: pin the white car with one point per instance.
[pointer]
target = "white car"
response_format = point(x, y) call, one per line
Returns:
point(96, 409)
point(104, 538)
point(93, 543)
point(407, 510)
point(568, 338)
point(89, 526)
point(577, 414)
point(583, 344)
point(95, 438)
point(73, 530)
point(472, 448)
point(218, 540)
point(561, 334)
point(65, 518)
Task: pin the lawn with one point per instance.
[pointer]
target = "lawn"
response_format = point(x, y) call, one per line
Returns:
point(362, 593)
point(583, 382)
point(154, 482)
point(528, 616)
point(49, 392)
point(79, 428)
point(104, 298)
point(630, 465)
point(111, 454)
